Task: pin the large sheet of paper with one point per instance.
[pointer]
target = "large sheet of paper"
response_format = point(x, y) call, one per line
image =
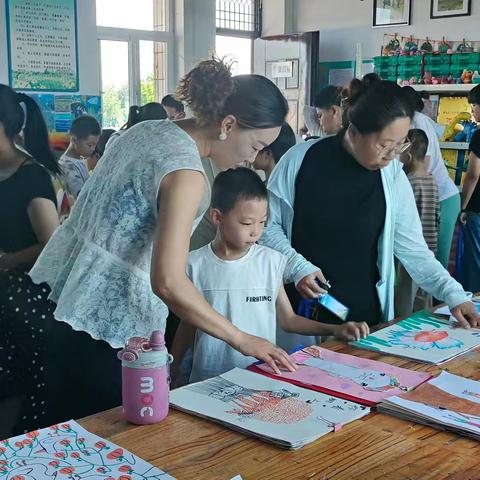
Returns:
point(358, 379)
point(422, 337)
point(448, 402)
point(284, 414)
point(68, 451)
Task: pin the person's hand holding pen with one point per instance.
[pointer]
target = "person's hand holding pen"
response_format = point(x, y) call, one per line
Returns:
point(313, 285)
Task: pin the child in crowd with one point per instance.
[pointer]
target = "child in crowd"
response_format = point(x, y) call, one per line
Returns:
point(243, 280)
point(84, 134)
point(267, 158)
point(470, 215)
point(408, 296)
point(175, 109)
point(97, 153)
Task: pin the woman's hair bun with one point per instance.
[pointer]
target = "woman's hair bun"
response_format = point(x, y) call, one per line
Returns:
point(206, 88)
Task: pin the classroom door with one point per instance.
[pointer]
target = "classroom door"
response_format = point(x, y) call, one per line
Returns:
point(291, 61)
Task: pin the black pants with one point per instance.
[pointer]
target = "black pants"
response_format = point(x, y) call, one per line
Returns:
point(84, 375)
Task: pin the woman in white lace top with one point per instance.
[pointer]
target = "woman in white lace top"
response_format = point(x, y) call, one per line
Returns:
point(119, 260)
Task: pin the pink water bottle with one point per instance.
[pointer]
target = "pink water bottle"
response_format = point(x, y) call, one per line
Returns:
point(145, 379)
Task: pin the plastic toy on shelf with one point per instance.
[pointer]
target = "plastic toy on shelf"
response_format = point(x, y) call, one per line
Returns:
point(456, 126)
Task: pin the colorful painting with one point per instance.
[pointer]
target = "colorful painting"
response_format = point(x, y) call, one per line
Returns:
point(354, 378)
point(59, 111)
point(263, 407)
point(39, 60)
point(422, 337)
point(387, 13)
point(68, 451)
point(447, 401)
point(450, 8)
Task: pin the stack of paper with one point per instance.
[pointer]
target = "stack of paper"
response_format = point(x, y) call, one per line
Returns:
point(352, 378)
point(68, 451)
point(277, 412)
point(422, 337)
point(447, 402)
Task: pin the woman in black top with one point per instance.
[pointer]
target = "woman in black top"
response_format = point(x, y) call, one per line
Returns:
point(28, 217)
point(343, 204)
point(470, 215)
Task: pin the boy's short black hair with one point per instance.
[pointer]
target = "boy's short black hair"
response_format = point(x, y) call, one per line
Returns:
point(474, 95)
point(419, 141)
point(236, 184)
point(84, 126)
point(169, 101)
point(285, 140)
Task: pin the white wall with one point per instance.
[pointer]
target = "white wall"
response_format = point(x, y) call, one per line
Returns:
point(88, 60)
point(342, 23)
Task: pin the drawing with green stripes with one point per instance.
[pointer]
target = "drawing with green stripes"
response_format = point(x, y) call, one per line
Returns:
point(422, 337)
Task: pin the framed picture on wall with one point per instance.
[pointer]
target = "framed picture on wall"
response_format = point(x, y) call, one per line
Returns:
point(450, 8)
point(388, 13)
point(292, 82)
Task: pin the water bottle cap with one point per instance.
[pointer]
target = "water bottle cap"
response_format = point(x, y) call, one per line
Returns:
point(157, 340)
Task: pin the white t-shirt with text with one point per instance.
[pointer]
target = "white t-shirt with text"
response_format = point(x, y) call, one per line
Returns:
point(244, 291)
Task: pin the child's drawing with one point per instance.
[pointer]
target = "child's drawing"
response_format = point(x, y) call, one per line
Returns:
point(68, 451)
point(273, 410)
point(276, 406)
point(370, 380)
point(424, 339)
point(471, 394)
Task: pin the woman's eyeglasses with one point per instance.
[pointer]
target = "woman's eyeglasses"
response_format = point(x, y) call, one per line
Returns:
point(396, 149)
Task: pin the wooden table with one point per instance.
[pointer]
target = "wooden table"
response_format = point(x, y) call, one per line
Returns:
point(375, 447)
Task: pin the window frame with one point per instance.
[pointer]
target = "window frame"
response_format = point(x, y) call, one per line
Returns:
point(253, 34)
point(133, 37)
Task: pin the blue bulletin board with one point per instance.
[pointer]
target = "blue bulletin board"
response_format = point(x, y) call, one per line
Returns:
point(42, 45)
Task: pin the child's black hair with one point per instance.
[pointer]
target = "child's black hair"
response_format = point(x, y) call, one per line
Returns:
point(171, 102)
point(84, 126)
point(330, 96)
point(286, 139)
point(419, 141)
point(474, 95)
point(236, 184)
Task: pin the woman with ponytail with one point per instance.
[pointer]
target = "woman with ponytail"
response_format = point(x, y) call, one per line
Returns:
point(28, 217)
point(136, 114)
point(119, 261)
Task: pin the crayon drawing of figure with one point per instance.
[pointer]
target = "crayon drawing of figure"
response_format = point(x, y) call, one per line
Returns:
point(464, 418)
point(272, 406)
point(371, 380)
point(424, 339)
point(471, 394)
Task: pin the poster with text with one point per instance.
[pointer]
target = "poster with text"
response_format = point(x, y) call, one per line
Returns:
point(42, 45)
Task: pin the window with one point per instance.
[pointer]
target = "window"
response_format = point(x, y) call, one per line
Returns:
point(239, 17)
point(134, 40)
point(238, 23)
point(136, 15)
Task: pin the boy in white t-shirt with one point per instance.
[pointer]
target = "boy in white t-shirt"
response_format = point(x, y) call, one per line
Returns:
point(242, 280)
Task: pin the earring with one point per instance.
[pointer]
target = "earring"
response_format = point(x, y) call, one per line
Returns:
point(222, 136)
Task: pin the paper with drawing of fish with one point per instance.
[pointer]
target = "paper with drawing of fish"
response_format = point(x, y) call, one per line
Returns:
point(422, 337)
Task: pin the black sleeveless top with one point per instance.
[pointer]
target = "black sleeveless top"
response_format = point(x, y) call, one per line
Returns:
point(30, 181)
point(339, 214)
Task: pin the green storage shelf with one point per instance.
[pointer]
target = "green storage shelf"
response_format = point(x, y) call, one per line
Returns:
point(410, 60)
point(387, 71)
point(437, 70)
point(457, 70)
point(464, 59)
point(405, 73)
point(384, 62)
point(434, 60)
